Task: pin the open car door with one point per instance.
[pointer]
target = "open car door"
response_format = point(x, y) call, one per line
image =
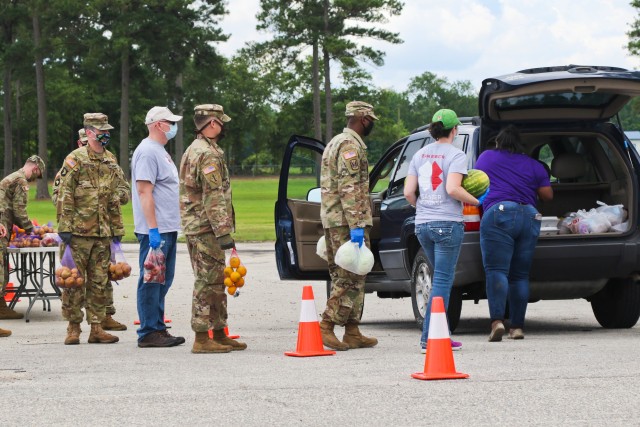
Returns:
point(297, 211)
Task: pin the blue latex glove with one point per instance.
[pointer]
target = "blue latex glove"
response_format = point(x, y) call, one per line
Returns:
point(154, 238)
point(357, 236)
point(484, 196)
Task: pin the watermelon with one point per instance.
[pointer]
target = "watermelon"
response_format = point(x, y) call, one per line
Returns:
point(475, 182)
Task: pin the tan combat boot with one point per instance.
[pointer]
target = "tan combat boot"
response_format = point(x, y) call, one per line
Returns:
point(203, 344)
point(329, 338)
point(6, 313)
point(354, 339)
point(99, 336)
point(111, 324)
point(73, 334)
point(221, 338)
point(4, 333)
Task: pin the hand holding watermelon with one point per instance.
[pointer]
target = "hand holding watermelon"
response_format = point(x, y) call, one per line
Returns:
point(484, 196)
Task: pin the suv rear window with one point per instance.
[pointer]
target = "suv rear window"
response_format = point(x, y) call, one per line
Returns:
point(545, 100)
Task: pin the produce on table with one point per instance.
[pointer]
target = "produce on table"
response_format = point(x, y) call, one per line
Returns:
point(234, 274)
point(475, 182)
point(41, 235)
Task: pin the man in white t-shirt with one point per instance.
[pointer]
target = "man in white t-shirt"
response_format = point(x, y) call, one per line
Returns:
point(156, 214)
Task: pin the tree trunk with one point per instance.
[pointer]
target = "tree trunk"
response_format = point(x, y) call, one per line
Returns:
point(179, 111)
point(317, 119)
point(8, 130)
point(327, 77)
point(124, 113)
point(18, 139)
point(42, 191)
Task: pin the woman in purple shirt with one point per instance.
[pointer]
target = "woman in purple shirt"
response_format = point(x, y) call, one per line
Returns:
point(510, 227)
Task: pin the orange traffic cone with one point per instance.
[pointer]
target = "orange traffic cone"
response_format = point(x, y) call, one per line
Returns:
point(309, 337)
point(166, 320)
point(438, 363)
point(9, 292)
point(226, 332)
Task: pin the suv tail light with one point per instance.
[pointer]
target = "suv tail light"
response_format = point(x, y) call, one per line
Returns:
point(471, 217)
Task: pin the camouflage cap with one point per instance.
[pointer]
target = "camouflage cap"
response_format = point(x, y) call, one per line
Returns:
point(82, 135)
point(39, 162)
point(212, 110)
point(97, 120)
point(359, 108)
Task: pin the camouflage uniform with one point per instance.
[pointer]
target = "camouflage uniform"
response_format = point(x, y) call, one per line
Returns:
point(14, 192)
point(92, 189)
point(207, 213)
point(344, 182)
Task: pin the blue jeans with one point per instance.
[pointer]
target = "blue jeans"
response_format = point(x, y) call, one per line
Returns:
point(151, 295)
point(508, 235)
point(441, 241)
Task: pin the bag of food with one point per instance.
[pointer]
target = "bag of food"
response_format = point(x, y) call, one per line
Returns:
point(50, 239)
point(321, 248)
point(234, 274)
point(68, 275)
point(589, 222)
point(155, 266)
point(620, 228)
point(119, 267)
point(354, 258)
point(616, 214)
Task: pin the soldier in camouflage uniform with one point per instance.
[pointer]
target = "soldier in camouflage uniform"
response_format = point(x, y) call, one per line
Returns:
point(109, 323)
point(346, 215)
point(14, 191)
point(92, 189)
point(207, 222)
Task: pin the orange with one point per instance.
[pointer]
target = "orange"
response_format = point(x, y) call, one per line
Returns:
point(235, 276)
point(242, 270)
point(240, 283)
point(231, 290)
point(227, 281)
point(228, 271)
point(234, 262)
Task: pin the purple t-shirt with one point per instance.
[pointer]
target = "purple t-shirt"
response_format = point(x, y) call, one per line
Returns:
point(512, 177)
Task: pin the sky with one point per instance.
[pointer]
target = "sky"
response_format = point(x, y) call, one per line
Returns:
point(476, 39)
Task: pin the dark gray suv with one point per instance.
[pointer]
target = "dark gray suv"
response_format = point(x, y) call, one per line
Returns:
point(565, 115)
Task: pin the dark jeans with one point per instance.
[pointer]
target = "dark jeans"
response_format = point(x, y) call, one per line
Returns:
point(151, 295)
point(508, 235)
point(441, 241)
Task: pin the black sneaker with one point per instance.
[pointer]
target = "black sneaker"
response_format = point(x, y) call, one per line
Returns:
point(157, 339)
point(179, 340)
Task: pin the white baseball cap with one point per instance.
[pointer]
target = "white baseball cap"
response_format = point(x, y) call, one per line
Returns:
point(160, 113)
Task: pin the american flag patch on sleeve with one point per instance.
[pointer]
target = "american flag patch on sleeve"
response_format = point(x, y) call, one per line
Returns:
point(70, 162)
point(349, 155)
point(209, 169)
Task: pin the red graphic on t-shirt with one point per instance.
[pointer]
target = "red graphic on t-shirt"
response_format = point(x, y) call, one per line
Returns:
point(435, 176)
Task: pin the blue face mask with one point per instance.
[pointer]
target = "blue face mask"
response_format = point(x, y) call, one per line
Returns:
point(171, 133)
point(103, 138)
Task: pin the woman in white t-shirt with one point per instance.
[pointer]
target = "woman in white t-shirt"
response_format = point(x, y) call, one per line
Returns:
point(437, 171)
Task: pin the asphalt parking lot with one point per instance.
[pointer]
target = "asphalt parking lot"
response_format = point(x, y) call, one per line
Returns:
point(566, 371)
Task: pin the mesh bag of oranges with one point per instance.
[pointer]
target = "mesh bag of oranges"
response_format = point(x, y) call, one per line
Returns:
point(68, 275)
point(234, 274)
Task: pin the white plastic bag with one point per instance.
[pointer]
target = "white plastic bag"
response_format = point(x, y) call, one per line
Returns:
point(321, 248)
point(353, 258)
point(621, 228)
point(616, 214)
point(589, 222)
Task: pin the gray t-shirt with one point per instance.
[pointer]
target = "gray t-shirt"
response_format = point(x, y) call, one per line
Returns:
point(431, 164)
point(151, 162)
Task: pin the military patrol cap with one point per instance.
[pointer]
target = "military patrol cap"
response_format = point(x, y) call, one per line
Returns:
point(212, 110)
point(82, 135)
point(38, 161)
point(97, 120)
point(448, 118)
point(359, 108)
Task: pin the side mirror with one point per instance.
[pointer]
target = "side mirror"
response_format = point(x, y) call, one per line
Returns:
point(314, 195)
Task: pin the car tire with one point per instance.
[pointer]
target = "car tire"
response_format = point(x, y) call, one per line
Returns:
point(617, 305)
point(421, 282)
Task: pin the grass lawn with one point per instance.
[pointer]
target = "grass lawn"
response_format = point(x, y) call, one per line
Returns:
point(253, 200)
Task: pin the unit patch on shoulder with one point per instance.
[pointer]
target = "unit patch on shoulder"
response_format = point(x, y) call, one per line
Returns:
point(209, 169)
point(64, 171)
point(72, 163)
point(354, 164)
point(25, 188)
point(57, 182)
point(350, 155)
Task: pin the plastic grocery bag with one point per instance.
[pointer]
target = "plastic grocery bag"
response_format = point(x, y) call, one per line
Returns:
point(321, 248)
point(354, 258)
point(155, 266)
point(68, 275)
point(119, 267)
point(616, 214)
point(589, 222)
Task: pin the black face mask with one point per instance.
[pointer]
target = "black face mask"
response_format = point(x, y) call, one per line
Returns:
point(368, 128)
point(222, 134)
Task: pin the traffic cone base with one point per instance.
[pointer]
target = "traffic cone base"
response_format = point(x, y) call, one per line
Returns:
point(226, 332)
point(9, 292)
point(166, 320)
point(439, 364)
point(309, 336)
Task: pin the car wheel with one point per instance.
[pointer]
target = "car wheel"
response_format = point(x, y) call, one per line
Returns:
point(617, 305)
point(421, 283)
